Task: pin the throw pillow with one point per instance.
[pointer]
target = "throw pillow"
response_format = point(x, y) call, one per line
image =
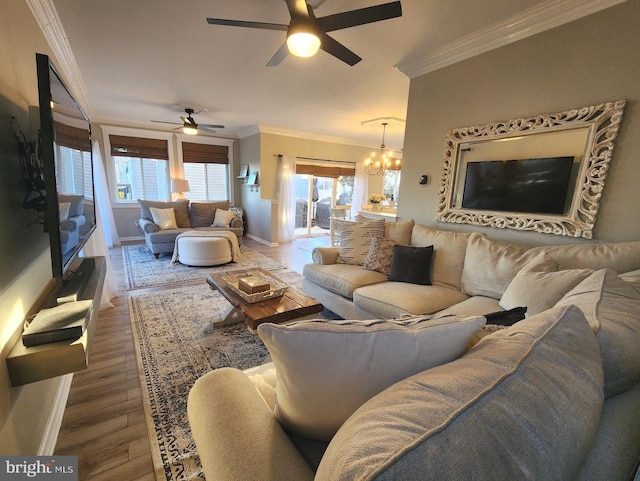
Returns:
point(64, 210)
point(612, 307)
point(223, 218)
point(326, 369)
point(202, 213)
point(355, 239)
point(164, 218)
point(379, 255)
point(411, 264)
point(180, 206)
point(539, 286)
point(524, 403)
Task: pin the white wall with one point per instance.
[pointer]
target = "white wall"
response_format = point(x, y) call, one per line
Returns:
point(588, 61)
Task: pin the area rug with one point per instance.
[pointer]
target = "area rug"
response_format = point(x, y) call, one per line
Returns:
point(143, 270)
point(176, 344)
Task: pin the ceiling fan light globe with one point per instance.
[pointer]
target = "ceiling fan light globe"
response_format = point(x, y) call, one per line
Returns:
point(189, 130)
point(303, 44)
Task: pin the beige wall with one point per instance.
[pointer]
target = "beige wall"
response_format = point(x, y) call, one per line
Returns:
point(261, 151)
point(588, 61)
point(24, 411)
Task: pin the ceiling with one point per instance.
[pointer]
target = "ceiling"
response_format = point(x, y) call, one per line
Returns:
point(143, 60)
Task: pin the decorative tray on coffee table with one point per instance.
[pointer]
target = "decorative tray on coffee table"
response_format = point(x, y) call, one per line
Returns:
point(276, 286)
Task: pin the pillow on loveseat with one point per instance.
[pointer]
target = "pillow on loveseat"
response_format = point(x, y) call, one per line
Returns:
point(326, 370)
point(202, 214)
point(491, 414)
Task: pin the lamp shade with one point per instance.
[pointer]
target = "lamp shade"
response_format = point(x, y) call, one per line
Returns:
point(179, 185)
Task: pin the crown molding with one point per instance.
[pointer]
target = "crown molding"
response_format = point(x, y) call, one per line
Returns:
point(44, 11)
point(534, 20)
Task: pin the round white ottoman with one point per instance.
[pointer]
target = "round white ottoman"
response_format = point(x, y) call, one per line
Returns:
point(203, 251)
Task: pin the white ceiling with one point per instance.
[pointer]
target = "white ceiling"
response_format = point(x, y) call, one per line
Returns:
point(143, 60)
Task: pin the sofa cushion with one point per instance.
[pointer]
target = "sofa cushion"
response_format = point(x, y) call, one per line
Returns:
point(76, 200)
point(181, 207)
point(489, 266)
point(400, 231)
point(164, 218)
point(488, 415)
point(411, 264)
point(355, 239)
point(379, 255)
point(326, 369)
point(612, 307)
point(539, 286)
point(448, 253)
point(342, 279)
point(202, 214)
point(395, 299)
point(619, 256)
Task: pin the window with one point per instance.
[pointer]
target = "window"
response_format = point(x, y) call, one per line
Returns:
point(206, 167)
point(206, 181)
point(391, 184)
point(75, 168)
point(141, 168)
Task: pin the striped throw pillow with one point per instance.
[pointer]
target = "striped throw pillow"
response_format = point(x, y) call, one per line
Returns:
point(355, 240)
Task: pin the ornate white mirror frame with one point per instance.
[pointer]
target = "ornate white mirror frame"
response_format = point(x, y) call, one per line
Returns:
point(597, 127)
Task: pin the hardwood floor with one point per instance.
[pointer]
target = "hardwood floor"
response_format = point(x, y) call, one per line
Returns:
point(104, 423)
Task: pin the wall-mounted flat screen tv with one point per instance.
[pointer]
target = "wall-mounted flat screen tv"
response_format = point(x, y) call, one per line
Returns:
point(65, 153)
point(524, 185)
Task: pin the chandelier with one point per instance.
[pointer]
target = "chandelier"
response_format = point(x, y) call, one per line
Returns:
point(378, 163)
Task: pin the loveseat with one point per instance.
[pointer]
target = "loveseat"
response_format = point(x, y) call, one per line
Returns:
point(554, 396)
point(199, 216)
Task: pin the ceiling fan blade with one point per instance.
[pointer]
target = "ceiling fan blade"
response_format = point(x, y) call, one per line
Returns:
point(163, 122)
point(211, 126)
point(279, 56)
point(241, 23)
point(360, 16)
point(208, 129)
point(338, 50)
point(190, 121)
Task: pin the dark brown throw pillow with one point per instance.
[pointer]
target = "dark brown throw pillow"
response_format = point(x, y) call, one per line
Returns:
point(506, 318)
point(411, 264)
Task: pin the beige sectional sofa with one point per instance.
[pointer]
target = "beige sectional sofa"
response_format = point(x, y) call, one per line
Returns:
point(198, 216)
point(554, 396)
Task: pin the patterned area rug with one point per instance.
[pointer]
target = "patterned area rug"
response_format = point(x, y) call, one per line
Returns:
point(143, 270)
point(175, 345)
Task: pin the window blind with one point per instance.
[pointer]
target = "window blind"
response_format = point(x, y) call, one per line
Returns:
point(73, 137)
point(139, 147)
point(324, 170)
point(205, 153)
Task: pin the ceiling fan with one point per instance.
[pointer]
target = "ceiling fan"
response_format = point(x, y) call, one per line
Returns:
point(189, 125)
point(306, 33)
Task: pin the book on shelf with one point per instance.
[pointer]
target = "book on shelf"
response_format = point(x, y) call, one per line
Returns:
point(60, 323)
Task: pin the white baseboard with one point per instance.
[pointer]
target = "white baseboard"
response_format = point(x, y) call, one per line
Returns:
point(262, 241)
point(50, 437)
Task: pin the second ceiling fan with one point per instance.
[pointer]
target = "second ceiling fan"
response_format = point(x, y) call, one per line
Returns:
point(189, 125)
point(307, 33)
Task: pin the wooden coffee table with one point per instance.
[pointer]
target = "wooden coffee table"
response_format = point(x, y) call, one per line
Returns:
point(294, 304)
